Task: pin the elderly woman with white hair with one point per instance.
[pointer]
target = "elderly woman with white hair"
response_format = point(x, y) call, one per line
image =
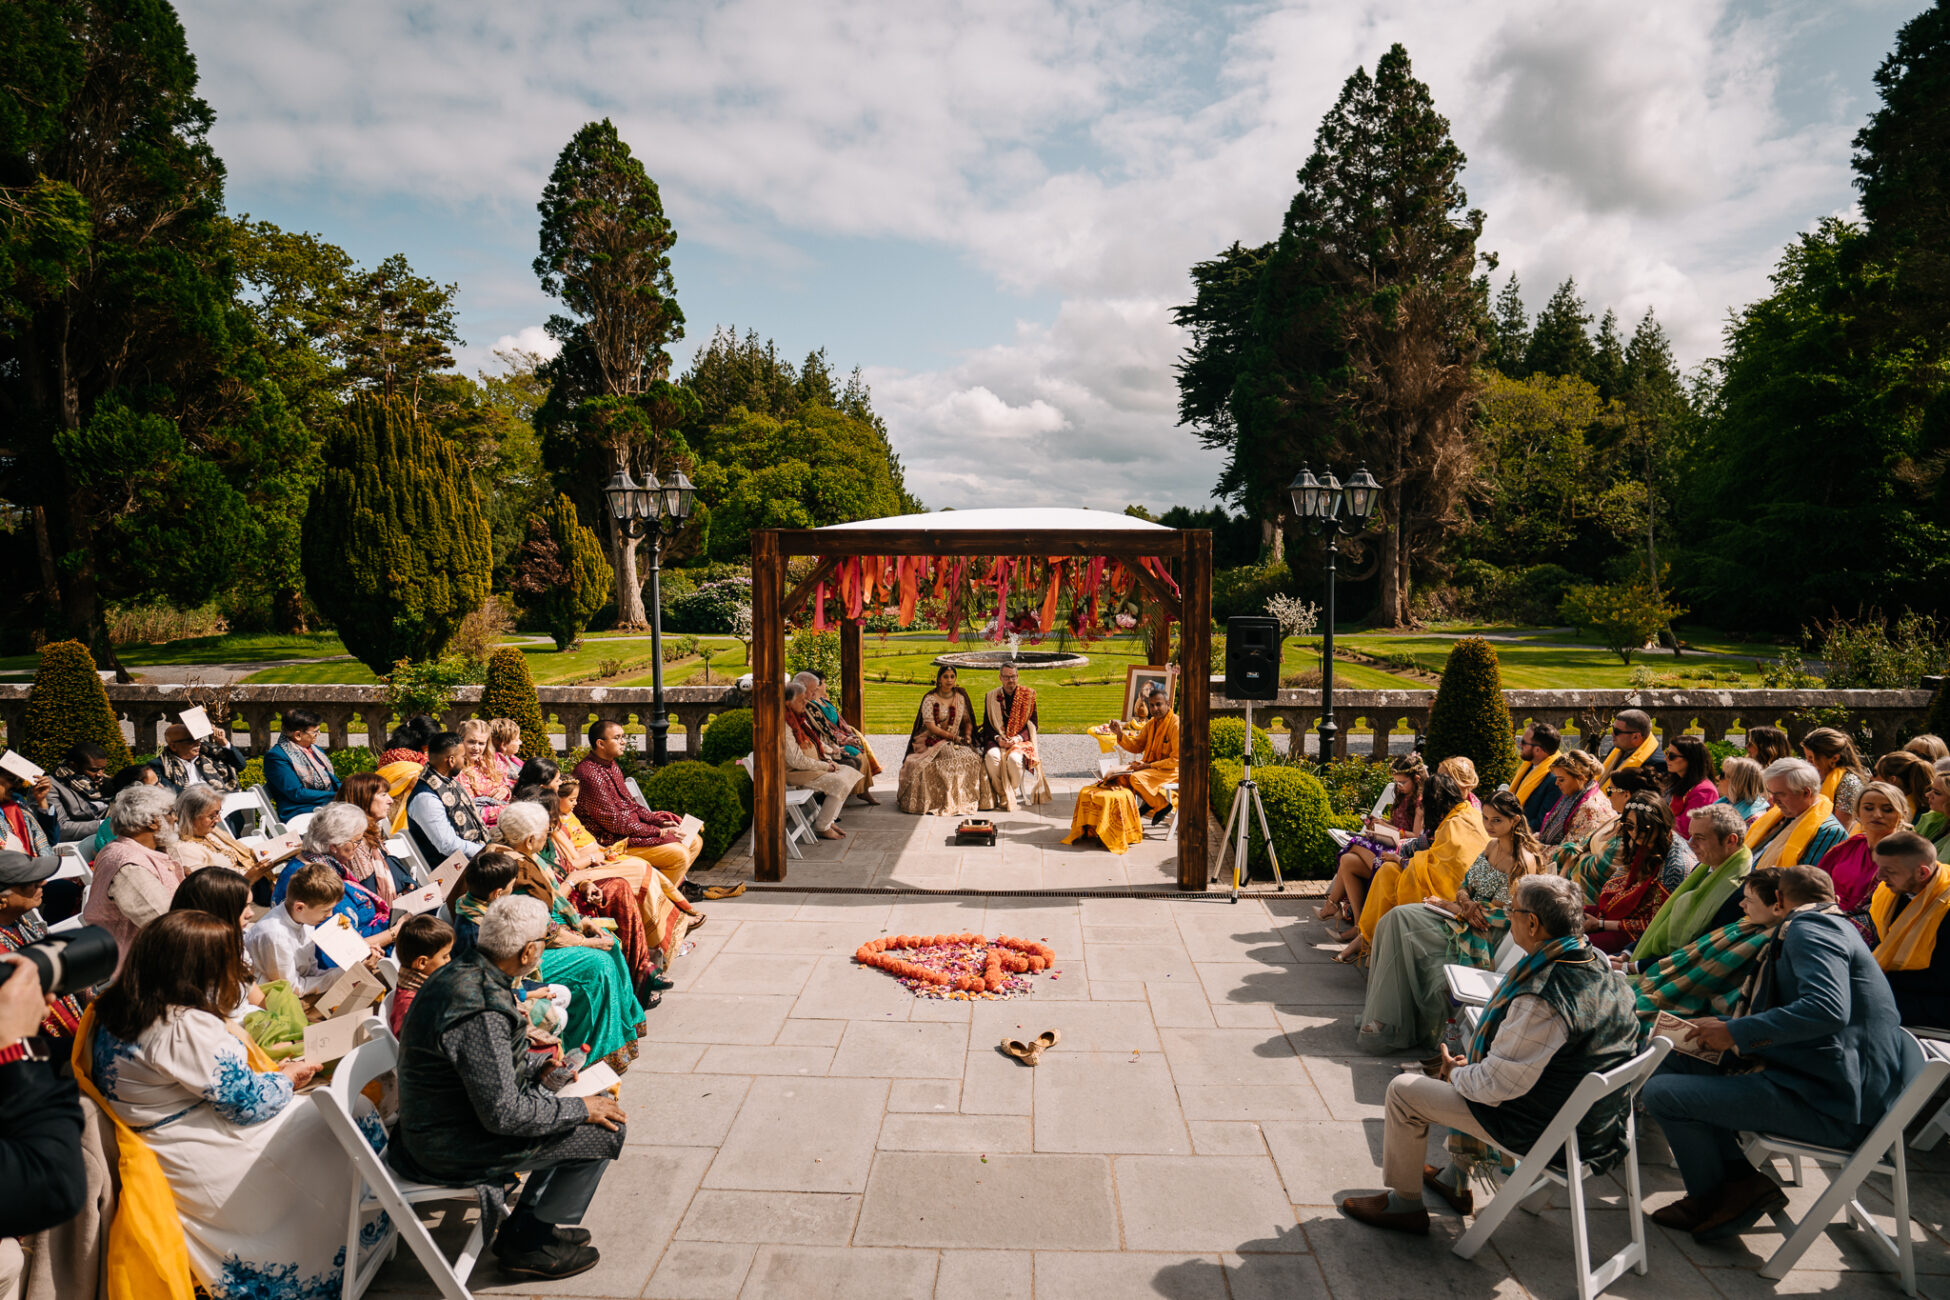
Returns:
point(331, 837)
point(202, 840)
point(1800, 825)
point(134, 875)
point(809, 763)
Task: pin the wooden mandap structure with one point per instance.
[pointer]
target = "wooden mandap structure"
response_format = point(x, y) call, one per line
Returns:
point(1149, 552)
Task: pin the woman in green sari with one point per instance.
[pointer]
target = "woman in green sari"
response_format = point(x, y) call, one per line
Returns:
point(1408, 998)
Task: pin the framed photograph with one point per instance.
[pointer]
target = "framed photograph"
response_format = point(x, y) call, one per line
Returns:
point(1141, 680)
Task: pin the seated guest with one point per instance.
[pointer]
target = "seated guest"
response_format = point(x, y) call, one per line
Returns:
point(1765, 744)
point(1688, 781)
point(426, 943)
point(1742, 787)
point(1908, 773)
point(1459, 768)
point(400, 766)
point(1156, 745)
point(1007, 740)
point(1540, 746)
point(1709, 896)
point(280, 942)
point(1582, 806)
point(1910, 903)
point(1705, 977)
point(667, 914)
point(134, 876)
point(1557, 1016)
point(1632, 745)
point(1650, 863)
point(1590, 861)
point(135, 774)
point(807, 764)
point(1881, 811)
point(471, 1112)
point(605, 806)
point(21, 879)
point(202, 840)
point(408, 743)
point(1822, 1026)
point(1842, 772)
point(440, 814)
point(1408, 998)
point(26, 815)
point(255, 1177)
point(941, 771)
point(1437, 870)
point(370, 864)
point(81, 804)
point(333, 838)
point(186, 761)
point(1927, 747)
point(504, 742)
point(489, 875)
point(1364, 849)
point(1798, 827)
point(1934, 825)
point(841, 740)
point(481, 774)
point(297, 773)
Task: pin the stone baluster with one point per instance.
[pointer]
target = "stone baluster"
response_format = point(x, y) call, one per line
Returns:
point(258, 718)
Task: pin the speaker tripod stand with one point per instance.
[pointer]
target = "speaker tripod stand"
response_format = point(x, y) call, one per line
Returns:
point(1246, 805)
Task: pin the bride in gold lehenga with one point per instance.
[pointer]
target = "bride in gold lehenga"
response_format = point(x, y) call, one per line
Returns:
point(942, 773)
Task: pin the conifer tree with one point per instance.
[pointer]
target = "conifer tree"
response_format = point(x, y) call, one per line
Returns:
point(1470, 716)
point(1560, 342)
point(561, 577)
point(510, 693)
point(395, 544)
point(1607, 373)
point(67, 705)
point(1509, 331)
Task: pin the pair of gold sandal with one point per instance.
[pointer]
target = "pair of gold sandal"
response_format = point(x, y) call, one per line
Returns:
point(1031, 1052)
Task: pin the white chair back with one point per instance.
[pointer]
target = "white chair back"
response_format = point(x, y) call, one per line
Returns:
point(636, 792)
point(403, 848)
point(296, 826)
point(74, 864)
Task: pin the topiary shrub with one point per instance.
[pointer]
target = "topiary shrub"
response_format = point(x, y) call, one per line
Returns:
point(727, 736)
point(253, 774)
point(561, 575)
point(68, 705)
point(1297, 811)
point(1229, 741)
point(353, 758)
point(510, 693)
point(702, 791)
point(1469, 715)
point(741, 784)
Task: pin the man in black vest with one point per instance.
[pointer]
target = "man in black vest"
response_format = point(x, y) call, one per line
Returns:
point(470, 1113)
point(1560, 1014)
point(440, 813)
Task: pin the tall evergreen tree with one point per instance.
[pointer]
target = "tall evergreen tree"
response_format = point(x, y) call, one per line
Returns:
point(1365, 331)
point(605, 252)
point(561, 577)
point(1219, 318)
point(1509, 331)
point(1560, 341)
point(395, 546)
point(1607, 372)
point(1902, 166)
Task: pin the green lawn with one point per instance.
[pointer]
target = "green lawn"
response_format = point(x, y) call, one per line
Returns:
point(1546, 663)
point(545, 664)
point(235, 648)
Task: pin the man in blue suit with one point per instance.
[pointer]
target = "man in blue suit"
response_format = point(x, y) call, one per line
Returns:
point(1819, 1017)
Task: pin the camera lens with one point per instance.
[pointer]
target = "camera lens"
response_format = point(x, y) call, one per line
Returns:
point(73, 960)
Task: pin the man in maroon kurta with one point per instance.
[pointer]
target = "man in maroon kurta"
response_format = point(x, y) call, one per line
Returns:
point(605, 808)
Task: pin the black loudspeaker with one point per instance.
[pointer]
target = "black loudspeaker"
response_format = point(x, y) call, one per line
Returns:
point(1252, 658)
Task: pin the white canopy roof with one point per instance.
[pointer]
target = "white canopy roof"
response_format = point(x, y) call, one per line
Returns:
point(1009, 520)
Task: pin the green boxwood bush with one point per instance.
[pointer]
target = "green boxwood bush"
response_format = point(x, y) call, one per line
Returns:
point(741, 784)
point(68, 705)
point(253, 773)
point(1229, 741)
point(702, 791)
point(510, 693)
point(353, 758)
point(1296, 809)
point(727, 736)
point(1469, 715)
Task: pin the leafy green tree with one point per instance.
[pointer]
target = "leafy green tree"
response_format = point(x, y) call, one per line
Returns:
point(1902, 167)
point(395, 547)
point(1560, 342)
point(1509, 331)
point(605, 253)
point(561, 577)
point(1219, 319)
point(1624, 615)
point(509, 692)
point(66, 706)
point(1470, 716)
point(1539, 483)
point(818, 467)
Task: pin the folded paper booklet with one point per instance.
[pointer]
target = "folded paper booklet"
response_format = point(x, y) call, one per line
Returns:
point(338, 940)
point(427, 899)
point(328, 1040)
point(272, 852)
point(1681, 1033)
point(355, 990)
point(198, 721)
point(451, 866)
point(20, 765)
point(688, 827)
point(592, 1080)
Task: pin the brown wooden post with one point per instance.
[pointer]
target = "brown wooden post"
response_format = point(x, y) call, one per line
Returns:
point(768, 701)
point(853, 675)
point(1157, 642)
point(1195, 696)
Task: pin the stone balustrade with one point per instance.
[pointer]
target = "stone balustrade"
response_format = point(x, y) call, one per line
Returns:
point(1889, 717)
point(254, 710)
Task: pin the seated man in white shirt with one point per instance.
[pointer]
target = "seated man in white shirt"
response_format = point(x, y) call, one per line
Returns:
point(280, 942)
point(1559, 1014)
point(440, 813)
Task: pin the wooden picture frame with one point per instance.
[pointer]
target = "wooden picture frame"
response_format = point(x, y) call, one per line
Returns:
point(1137, 676)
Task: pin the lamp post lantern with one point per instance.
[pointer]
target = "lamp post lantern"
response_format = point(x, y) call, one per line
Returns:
point(1333, 508)
point(644, 511)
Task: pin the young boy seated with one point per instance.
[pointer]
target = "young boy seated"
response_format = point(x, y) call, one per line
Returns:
point(425, 944)
point(280, 942)
point(489, 876)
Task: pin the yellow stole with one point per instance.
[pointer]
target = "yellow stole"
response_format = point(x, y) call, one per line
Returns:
point(1909, 941)
point(1798, 835)
point(1833, 781)
point(1531, 775)
point(1160, 739)
point(399, 778)
point(147, 1258)
point(1638, 757)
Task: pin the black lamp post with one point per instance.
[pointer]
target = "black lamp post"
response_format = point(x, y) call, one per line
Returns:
point(644, 512)
point(1333, 508)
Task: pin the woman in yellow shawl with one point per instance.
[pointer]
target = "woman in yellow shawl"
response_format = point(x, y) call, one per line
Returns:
point(1156, 744)
point(1437, 871)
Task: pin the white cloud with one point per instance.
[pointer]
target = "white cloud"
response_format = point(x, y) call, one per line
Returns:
point(532, 338)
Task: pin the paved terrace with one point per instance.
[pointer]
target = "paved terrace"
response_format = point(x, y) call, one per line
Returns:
point(802, 1127)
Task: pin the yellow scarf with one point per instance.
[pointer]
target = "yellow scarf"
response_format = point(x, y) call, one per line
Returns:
point(1638, 757)
point(147, 1258)
point(1798, 835)
point(399, 778)
point(1833, 781)
point(1531, 775)
point(1909, 941)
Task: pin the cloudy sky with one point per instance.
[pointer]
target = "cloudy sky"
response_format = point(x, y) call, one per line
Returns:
point(991, 207)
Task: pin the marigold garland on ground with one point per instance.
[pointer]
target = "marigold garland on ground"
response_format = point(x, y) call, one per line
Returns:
point(960, 965)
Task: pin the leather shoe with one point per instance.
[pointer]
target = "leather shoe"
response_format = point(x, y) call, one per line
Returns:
point(1682, 1215)
point(1739, 1207)
point(1463, 1202)
point(551, 1260)
point(1374, 1211)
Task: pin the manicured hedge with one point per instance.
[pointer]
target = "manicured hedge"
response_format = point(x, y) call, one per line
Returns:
point(510, 693)
point(704, 792)
point(1469, 715)
point(727, 736)
point(1297, 811)
point(1229, 741)
point(68, 705)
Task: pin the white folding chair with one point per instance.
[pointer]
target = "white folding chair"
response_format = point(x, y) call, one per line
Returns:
point(1471, 986)
point(1882, 1152)
point(298, 823)
point(378, 1188)
point(74, 864)
point(1534, 1180)
point(798, 813)
point(403, 848)
point(1171, 822)
point(636, 792)
point(1936, 1041)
